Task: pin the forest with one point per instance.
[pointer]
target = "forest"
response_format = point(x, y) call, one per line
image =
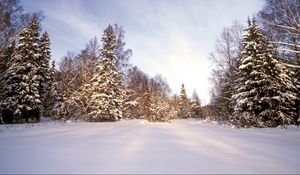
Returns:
point(255, 74)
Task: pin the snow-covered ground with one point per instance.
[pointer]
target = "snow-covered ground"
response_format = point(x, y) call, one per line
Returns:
point(136, 146)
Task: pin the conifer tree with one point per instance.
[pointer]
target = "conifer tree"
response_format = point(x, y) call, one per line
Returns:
point(266, 96)
point(53, 97)
point(44, 63)
point(196, 109)
point(21, 97)
point(45, 81)
point(106, 85)
point(5, 56)
point(184, 104)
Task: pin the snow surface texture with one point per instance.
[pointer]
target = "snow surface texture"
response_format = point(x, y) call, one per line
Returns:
point(136, 146)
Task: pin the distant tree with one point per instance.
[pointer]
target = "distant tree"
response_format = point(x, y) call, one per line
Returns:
point(208, 112)
point(266, 96)
point(196, 109)
point(174, 103)
point(148, 97)
point(184, 104)
point(160, 109)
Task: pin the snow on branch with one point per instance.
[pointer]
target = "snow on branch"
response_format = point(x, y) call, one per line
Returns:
point(292, 65)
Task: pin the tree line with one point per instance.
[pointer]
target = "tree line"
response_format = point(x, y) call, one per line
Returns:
point(255, 75)
point(98, 84)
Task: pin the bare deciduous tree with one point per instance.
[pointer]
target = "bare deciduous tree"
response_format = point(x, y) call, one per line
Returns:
point(281, 22)
point(225, 58)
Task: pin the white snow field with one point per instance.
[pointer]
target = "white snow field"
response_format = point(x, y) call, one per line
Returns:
point(136, 146)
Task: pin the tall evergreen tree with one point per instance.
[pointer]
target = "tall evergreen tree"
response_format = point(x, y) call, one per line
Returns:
point(21, 97)
point(53, 97)
point(265, 94)
point(106, 85)
point(184, 104)
point(45, 82)
point(5, 60)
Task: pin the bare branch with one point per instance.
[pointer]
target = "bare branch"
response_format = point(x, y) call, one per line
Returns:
point(284, 43)
point(283, 26)
point(73, 79)
point(287, 50)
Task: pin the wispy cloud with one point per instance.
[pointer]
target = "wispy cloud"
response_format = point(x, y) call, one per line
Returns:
point(69, 25)
point(69, 15)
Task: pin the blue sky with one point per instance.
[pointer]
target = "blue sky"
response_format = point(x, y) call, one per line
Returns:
point(170, 37)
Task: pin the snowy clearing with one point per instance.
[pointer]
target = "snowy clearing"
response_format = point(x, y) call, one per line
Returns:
point(136, 146)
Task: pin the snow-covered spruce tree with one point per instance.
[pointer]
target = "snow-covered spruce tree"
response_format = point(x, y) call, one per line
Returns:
point(196, 109)
point(53, 97)
point(265, 95)
point(184, 104)
point(5, 55)
point(21, 95)
point(106, 85)
point(45, 82)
